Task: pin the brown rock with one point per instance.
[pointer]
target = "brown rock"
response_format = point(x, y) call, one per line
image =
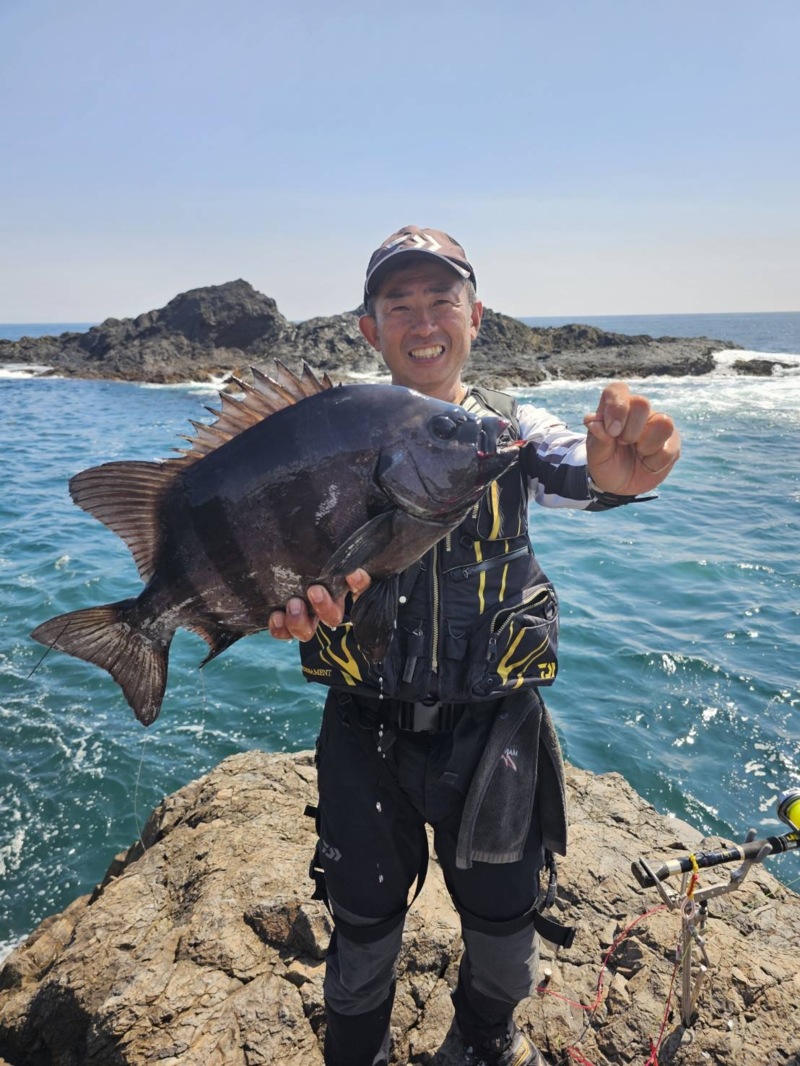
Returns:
point(204, 948)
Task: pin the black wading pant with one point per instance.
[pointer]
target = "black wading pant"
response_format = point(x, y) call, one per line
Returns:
point(372, 846)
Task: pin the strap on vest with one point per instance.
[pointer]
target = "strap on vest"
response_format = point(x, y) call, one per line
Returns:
point(560, 935)
point(556, 932)
point(500, 402)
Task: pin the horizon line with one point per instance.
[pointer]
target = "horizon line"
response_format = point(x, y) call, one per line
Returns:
point(577, 319)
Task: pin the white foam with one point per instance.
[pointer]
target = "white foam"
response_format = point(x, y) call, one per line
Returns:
point(214, 384)
point(7, 946)
point(11, 852)
point(19, 371)
point(724, 360)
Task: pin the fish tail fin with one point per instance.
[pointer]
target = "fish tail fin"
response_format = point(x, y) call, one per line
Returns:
point(110, 637)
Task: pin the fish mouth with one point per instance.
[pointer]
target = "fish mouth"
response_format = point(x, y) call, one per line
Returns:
point(493, 459)
point(493, 464)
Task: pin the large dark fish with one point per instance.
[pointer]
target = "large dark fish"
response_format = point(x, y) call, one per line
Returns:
point(297, 483)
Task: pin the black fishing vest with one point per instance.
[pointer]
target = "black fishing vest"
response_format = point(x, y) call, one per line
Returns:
point(477, 617)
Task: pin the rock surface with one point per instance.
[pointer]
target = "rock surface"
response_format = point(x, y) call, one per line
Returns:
point(222, 329)
point(202, 946)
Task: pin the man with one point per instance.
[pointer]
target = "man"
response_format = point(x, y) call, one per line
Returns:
point(449, 728)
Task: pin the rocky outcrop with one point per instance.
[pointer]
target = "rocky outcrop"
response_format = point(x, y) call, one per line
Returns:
point(224, 329)
point(202, 946)
point(197, 335)
point(762, 368)
point(508, 353)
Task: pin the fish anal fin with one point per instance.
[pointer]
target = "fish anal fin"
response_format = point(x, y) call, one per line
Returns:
point(109, 637)
point(125, 496)
point(216, 636)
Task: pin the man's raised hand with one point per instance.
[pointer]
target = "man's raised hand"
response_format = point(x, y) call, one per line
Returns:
point(630, 447)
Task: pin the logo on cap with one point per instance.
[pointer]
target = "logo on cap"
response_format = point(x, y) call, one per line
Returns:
point(419, 240)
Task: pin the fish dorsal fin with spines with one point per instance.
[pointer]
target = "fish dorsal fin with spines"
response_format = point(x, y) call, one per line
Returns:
point(126, 496)
point(262, 398)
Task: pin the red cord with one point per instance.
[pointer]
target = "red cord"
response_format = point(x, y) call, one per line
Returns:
point(573, 1052)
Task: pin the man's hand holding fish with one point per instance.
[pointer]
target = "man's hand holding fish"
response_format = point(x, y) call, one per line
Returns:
point(296, 622)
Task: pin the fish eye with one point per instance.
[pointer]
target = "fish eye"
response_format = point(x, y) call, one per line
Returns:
point(443, 427)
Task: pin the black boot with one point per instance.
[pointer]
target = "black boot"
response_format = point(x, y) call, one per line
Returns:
point(359, 1039)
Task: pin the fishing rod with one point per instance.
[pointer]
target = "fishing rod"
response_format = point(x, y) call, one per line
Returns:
point(749, 850)
point(692, 903)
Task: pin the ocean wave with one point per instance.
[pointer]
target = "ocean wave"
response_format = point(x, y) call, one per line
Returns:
point(7, 946)
point(214, 383)
point(21, 371)
point(726, 358)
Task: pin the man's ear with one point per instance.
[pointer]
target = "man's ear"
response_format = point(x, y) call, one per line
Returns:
point(369, 327)
point(476, 314)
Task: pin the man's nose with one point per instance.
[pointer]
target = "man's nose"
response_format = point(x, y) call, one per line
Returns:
point(425, 321)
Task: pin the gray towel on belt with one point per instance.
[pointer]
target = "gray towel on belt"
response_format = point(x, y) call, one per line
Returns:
point(497, 810)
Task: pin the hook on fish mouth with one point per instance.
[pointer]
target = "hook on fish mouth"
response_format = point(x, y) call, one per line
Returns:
point(489, 445)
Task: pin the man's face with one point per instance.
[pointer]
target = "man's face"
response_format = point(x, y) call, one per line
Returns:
point(423, 327)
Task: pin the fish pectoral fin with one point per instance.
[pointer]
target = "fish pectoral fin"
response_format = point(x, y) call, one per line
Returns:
point(365, 546)
point(374, 617)
point(384, 546)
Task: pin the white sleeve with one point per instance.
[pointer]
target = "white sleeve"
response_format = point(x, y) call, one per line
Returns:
point(554, 459)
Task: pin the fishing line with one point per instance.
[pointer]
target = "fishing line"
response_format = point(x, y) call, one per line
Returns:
point(149, 881)
point(203, 704)
point(145, 738)
point(48, 649)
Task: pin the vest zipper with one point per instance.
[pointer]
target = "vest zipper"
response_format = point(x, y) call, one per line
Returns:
point(536, 595)
point(436, 608)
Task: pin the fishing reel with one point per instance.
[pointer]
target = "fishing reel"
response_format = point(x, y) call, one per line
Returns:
point(789, 808)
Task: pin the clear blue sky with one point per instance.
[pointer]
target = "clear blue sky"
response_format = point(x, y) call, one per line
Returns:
point(603, 157)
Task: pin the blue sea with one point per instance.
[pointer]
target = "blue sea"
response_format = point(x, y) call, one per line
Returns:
point(680, 655)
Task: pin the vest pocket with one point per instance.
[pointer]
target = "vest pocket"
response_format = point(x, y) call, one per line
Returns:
point(455, 643)
point(521, 647)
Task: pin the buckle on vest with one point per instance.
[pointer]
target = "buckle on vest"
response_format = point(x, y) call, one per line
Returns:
point(427, 716)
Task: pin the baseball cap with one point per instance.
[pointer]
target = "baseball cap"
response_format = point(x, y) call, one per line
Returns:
point(432, 242)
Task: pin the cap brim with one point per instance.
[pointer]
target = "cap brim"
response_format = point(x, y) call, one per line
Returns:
point(390, 262)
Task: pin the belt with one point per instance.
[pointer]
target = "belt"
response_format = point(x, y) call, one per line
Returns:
point(424, 716)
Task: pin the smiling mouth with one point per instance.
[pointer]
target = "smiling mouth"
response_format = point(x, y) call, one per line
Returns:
point(423, 355)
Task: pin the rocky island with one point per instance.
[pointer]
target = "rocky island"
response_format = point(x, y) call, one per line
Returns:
point(202, 946)
point(212, 332)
